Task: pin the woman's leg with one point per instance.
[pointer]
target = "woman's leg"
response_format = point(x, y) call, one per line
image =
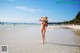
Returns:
point(42, 31)
point(43, 35)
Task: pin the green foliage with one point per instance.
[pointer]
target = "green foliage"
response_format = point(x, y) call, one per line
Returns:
point(76, 20)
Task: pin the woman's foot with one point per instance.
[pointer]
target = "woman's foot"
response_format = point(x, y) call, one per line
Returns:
point(43, 42)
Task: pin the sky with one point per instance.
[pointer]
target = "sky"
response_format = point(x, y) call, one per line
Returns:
point(30, 11)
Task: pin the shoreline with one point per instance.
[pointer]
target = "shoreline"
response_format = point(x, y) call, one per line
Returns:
point(49, 26)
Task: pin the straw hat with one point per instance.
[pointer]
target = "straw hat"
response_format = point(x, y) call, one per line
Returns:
point(44, 18)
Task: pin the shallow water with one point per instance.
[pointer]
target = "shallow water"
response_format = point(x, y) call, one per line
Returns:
point(27, 39)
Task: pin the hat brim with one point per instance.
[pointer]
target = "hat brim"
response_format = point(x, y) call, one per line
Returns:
point(44, 19)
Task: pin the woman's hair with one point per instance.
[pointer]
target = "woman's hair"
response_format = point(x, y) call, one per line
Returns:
point(47, 23)
point(46, 20)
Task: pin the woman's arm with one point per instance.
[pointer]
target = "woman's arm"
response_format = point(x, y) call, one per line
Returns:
point(39, 19)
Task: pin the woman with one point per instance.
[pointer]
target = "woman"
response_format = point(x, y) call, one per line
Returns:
point(44, 25)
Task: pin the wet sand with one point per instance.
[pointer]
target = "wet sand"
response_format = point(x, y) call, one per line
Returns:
point(76, 31)
point(27, 39)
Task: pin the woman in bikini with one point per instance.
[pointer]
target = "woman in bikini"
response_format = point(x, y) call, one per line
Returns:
point(44, 25)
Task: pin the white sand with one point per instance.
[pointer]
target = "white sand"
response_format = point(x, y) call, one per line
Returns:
point(69, 26)
point(27, 39)
point(74, 26)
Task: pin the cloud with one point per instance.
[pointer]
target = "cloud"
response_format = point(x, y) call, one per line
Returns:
point(11, 0)
point(28, 9)
point(20, 7)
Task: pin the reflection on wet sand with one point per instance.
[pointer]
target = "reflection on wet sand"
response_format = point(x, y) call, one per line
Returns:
point(76, 31)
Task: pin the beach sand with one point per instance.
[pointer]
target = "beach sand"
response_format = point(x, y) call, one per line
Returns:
point(27, 39)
